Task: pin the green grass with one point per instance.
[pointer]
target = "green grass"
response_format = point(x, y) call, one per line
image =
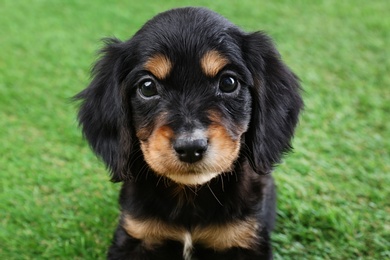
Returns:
point(56, 201)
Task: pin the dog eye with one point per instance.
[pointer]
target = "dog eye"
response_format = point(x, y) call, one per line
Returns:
point(148, 88)
point(228, 84)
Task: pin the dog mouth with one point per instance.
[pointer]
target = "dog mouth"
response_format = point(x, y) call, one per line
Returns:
point(198, 172)
point(191, 158)
point(192, 178)
point(191, 172)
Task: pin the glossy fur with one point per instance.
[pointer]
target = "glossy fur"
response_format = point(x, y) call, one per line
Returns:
point(195, 156)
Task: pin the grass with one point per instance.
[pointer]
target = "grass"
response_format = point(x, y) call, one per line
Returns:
point(334, 190)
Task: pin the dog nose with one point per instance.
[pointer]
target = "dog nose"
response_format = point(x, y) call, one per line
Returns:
point(190, 150)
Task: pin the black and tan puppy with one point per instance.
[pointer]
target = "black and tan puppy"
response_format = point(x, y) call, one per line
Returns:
point(191, 114)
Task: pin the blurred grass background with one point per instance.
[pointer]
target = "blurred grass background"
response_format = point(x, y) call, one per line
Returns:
point(56, 201)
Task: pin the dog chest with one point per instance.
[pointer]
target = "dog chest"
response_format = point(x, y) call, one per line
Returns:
point(219, 237)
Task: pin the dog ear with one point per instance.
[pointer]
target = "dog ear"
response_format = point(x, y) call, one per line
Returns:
point(276, 103)
point(102, 114)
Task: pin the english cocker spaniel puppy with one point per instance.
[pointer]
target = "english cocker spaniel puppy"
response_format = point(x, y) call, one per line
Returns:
point(191, 114)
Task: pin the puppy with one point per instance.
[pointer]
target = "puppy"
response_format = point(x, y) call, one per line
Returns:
point(191, 115)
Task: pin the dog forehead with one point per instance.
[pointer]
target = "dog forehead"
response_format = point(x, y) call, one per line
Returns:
point(188, 42)
point(210, 63)
point(187, 20)
point(189, 27)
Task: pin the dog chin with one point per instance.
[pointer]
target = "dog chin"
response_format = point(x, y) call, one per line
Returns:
point(193, 179)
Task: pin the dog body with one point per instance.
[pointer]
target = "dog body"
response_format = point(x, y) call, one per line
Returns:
point(191, 114)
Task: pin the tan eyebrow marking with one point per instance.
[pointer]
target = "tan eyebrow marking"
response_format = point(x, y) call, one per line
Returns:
point(212, 62)
point(159, 65)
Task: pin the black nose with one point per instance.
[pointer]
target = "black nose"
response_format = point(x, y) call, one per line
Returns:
point(190, 150)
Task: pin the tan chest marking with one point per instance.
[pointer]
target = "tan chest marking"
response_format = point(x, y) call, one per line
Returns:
point(218, 237)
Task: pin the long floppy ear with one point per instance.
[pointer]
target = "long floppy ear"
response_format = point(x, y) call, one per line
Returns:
point(276, 103)
point(102, 114)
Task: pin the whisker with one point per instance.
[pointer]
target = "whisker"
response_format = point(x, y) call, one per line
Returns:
point(193, 190)
point(222, 184)
point(159, 179)
point(214, 195)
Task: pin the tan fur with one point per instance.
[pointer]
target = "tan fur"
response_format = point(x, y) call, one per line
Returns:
point(159, 65)
point(212, 62)
point(158, 151)
point(154, 232)
point(223, 148)
point(220, 237)
point(161, 157)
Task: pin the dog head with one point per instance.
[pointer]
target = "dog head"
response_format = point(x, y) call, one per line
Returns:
point(188, 96)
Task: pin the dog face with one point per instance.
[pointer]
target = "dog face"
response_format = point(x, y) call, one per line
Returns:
point(195, 95)
point(190, 102)
point(190, 128)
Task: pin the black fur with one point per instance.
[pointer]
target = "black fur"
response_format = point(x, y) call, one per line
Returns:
point(267, 103)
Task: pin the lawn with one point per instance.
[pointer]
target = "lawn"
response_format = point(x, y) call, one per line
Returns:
point(56, 201)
